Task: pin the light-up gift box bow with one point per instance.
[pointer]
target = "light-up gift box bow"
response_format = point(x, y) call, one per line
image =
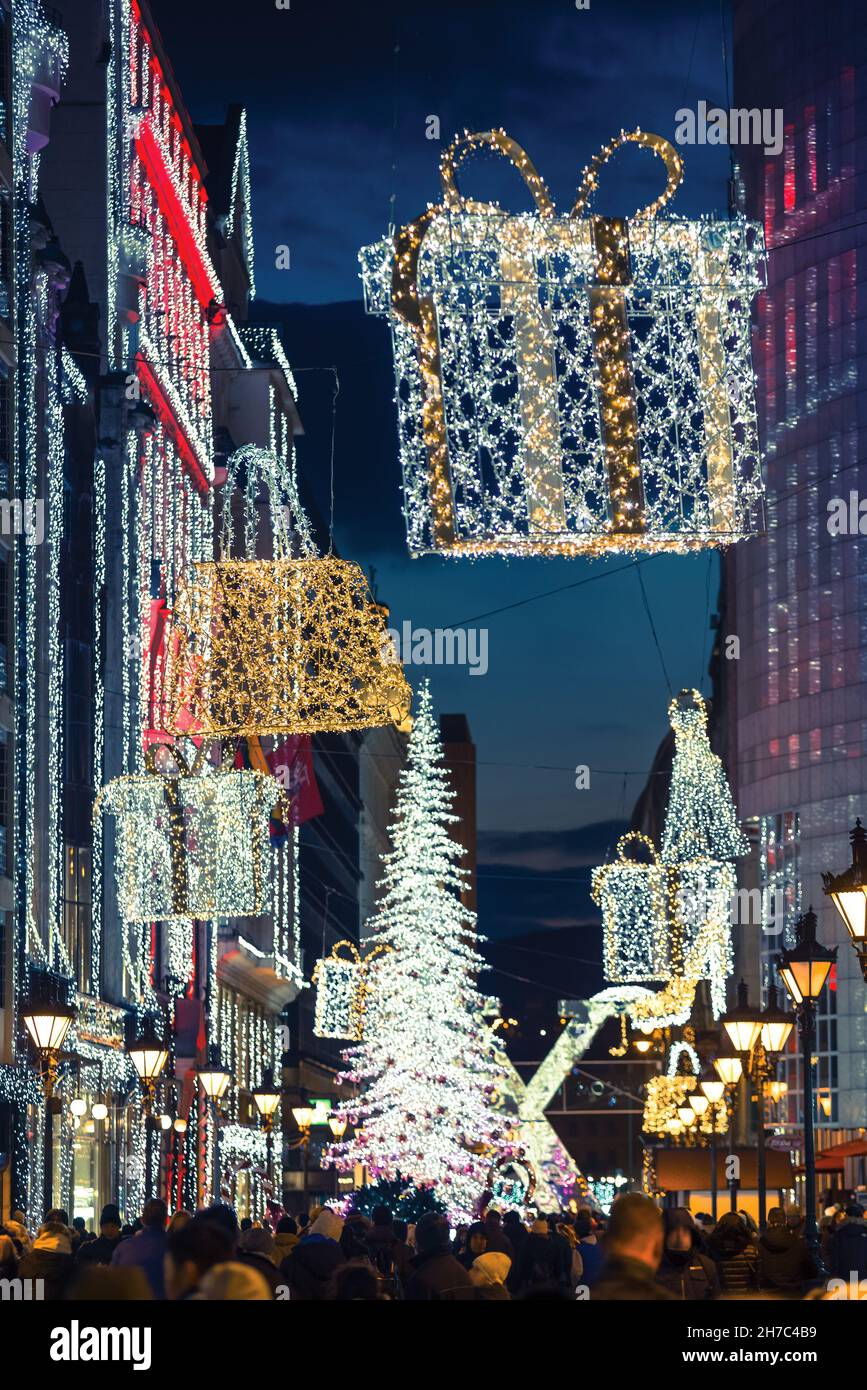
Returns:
point(288, 645)
point(193, 841)
point(573, 385)
point(342, 981)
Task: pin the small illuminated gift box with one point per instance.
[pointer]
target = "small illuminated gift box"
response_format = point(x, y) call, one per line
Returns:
point(634, 897)
point(342, 985)
point(571, 385)
point(191, 844)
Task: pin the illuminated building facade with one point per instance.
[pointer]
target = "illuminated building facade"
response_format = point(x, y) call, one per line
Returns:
point(137, 377)
point(795, 700)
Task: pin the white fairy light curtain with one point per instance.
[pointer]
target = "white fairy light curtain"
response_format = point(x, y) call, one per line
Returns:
point(288, 645)
point(571, 385)
point(670, 919)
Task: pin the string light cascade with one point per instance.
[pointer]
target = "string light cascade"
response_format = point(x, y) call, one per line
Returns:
point(571, 385)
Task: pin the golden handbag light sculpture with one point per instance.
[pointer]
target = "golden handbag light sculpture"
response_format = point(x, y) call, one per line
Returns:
point(341, 982)
point(192, 843)
point(571, 385)
point(280, 646)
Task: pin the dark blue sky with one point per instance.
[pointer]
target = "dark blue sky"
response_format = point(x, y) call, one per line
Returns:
point(337, 126)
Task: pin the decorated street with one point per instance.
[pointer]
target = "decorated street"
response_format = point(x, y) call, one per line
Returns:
point(433, 863)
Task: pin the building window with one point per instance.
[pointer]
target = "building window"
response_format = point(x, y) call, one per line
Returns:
point(76, 913)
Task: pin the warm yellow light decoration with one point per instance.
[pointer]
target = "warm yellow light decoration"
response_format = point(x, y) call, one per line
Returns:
point(281, 646)
point(571, 385)
point(634, 901)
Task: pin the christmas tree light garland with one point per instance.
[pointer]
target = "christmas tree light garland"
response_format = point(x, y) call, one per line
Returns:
point(548, 423)
point(425, 1068)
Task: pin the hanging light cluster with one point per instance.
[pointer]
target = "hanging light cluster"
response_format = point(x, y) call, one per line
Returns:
point(193, 841)
point(669, 920)
point(676, 1104)
point(281, 646)
point(572, 385)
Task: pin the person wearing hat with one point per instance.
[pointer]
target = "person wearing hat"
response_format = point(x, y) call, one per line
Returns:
point(100, 1251)
point(309, 1267)
point(233, 1282)
point(50, 1260)
point(683, 1269)
point(488, 1274)
point(257, 1251)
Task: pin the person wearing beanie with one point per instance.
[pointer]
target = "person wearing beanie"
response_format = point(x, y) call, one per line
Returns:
point(488, 1275)
point(235, 1283)
point(101, 1250)
point(147, 1249)
point(435, 1275)
point(285, 1238)
point(309, 1267)
point(683, 1269)
point(256, 1250)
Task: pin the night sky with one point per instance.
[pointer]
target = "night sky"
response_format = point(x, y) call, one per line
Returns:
point(337, 97)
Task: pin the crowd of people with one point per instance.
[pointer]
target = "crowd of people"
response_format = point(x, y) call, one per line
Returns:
point(636, 1253)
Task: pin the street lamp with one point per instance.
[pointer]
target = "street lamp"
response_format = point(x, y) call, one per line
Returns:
point(267, 1098)
point(48, 1024)
point(729, 1067)
point(148, 1055)
point(215, 1082)
point(804, 970)
point(337, 1125)
point(712, 1091)
point(848, 893)
point(303, 1117)
point(742, 1024)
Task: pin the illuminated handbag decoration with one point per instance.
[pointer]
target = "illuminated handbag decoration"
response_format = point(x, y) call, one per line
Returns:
point(192, 842)
point(341, 981)
point(571, 385)
point(287, 645)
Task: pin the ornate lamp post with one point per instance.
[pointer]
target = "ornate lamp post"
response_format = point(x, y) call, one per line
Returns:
point(48, 1025)
point(267, 1098)
point(759, 1035)
point(148, 1054)
point(303, 1117)
point(848, 893)
point(804, 970)
point(215, 1082)
point(713, 1091)
point(729, 1068)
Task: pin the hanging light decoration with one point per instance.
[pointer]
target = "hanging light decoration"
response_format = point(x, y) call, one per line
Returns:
point(571, 385)
point(193, 840)
point(281, 646)
point(341, 990)
point(635, 908)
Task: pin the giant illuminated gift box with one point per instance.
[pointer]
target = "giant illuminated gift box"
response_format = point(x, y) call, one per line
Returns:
point(571, 385)
point(634, 897)
point(191, 845)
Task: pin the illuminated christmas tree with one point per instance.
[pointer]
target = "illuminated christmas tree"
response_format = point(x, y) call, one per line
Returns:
point(701, 821)
point(425, 1066)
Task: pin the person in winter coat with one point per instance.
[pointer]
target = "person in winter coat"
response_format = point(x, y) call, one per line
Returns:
point(147, 1250)
point(285, 1238)
point(683, 1269)
point(435, 1274)
point(191, 1251)
point(590, 1249)
point(495, 1236)
point(735, 1255)
point(847, 1248)
point(50, 1259)
point(308, 1268)
point(101, 1250)
point(388, 1255)
point(515, 1232)
point(475, 1244)
point(633, 1248)
point(233, 1282)
point(540, 1265)
point(256, 1251)
point(488, 1274)
point(784, 1262)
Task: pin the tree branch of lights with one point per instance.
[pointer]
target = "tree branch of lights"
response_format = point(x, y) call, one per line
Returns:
point(605, 403)
point(426, 1067)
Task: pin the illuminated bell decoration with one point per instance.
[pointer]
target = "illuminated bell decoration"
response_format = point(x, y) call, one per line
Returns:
point(571, 385)
point(634, 901)
point(341, 989)
point(191, 843)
